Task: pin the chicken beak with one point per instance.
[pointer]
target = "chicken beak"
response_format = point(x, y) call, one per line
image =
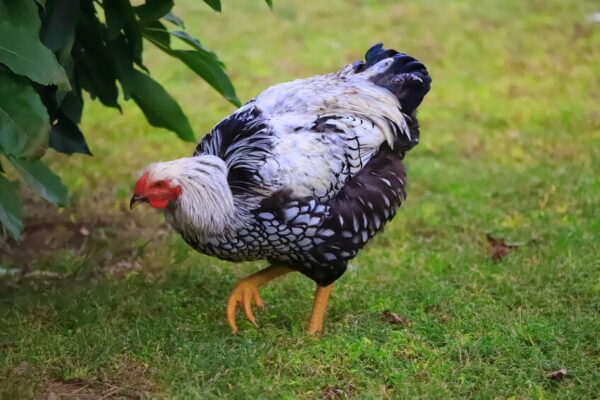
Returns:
point(136, 201)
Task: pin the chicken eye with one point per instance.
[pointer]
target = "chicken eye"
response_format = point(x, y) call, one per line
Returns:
point(159, 184)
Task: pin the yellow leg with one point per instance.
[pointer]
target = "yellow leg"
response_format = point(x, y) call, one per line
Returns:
point(315, 324)
point(246, 291)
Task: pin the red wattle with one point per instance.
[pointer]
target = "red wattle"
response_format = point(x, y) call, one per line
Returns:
point(158, 203)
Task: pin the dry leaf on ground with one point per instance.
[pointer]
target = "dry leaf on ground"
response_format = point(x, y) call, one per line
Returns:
point(500, 247)
point(392, 318)
point(557, 375)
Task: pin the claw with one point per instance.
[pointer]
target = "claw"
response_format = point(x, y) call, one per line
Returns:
point(258, 301)
point(246, 291)
point(243, 294)
point(247, 299)
point(231, 309)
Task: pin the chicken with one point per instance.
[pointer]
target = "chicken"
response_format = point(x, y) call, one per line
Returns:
point(303, 175)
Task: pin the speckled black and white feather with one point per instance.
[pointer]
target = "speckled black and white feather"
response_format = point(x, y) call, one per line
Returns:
point(308, 171)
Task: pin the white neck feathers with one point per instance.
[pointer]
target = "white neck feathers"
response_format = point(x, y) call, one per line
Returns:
point(205, 207)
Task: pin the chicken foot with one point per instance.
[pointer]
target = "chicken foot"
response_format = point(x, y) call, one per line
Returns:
point(246, 291)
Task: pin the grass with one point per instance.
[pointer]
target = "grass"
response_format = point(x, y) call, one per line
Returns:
point(114, 305)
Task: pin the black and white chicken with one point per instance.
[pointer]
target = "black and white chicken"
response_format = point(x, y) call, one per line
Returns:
point(303, 175)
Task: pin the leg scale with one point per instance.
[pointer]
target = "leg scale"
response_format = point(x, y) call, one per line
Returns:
point(315, 324)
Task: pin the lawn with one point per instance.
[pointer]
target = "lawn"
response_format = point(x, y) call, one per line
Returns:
point(113, 304)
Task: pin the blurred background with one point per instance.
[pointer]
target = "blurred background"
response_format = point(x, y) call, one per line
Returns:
point(514, 83)
point(494, 257)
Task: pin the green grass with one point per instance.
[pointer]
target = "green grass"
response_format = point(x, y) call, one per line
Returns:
point(510, 146)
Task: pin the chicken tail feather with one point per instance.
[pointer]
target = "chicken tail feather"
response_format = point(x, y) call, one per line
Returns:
point(400, 73)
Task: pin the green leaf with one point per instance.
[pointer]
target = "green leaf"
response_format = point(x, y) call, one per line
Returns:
point(153, 10)
point(174, 19)
point(24, 123)
point(210, 69)
point(58, 27)
point(113, 18)
point(214, 4)
point(123, 62)
point(132, 29)
point(72, 106)
point(203, 62)
point(269, 3)
point(39, 177)
point(65, 135)
point(67, 138)
point(26, 55)
point(158, 106)
point(65, 58)
point(119, 16)
point(65, 112)
point(93, 61)
point(195, 43)
point(157, 33)
point(10, 208)
point(23, 14)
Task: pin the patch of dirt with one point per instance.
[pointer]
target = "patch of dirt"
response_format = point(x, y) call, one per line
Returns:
point(89, 225)
point(80, 390)
point(124, 377)
point(130, 380)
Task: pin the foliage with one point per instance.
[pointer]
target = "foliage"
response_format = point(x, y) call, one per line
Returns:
point(52, 51)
